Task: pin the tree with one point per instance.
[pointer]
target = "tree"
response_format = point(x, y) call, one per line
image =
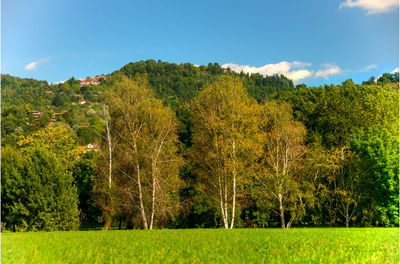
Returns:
point(146, 153)
point(283, 150)
point(44, 119)
point(224, 142)
point(43, 197)
point(58, 100)
point(13, 195)
point(378, 154)
point(58, 139)
point(388, 78)
point(107, 201)
point(343, 182)
point(84, 172)
point(333, 113)
point(371, 81)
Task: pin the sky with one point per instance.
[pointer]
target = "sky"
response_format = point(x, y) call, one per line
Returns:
point(312, 41)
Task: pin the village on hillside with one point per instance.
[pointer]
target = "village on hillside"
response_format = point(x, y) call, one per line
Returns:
point(51, 116)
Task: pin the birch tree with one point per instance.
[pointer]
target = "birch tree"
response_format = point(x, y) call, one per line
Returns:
point(146, 155)
point(280, 176)
point(224, 142)
point(344, 182)
point(106, 201)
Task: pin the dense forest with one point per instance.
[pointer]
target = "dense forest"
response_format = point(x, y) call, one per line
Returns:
point(162, 145)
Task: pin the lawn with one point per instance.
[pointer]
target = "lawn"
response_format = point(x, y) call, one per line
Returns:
point(305, 245)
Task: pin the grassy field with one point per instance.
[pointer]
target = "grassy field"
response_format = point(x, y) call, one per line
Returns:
point(312, 245)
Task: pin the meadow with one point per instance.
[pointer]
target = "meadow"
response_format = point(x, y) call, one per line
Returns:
point(297, 245)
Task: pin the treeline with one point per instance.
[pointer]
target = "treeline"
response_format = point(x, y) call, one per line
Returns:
point(183, 82)
point(217, 157)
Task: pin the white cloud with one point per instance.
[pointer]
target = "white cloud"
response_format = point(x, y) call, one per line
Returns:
point(372, 6)
point(33, 65)
point(296, 70)
point(329, 69)
point(284, 67)
point(368, 68)
point(63, 81)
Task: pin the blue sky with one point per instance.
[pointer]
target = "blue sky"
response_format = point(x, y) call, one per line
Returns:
point(310, 41)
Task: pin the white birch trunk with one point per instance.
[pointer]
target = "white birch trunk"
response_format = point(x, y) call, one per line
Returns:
point(153, 195)
point(109, 147)
point(221, 200)
point(234, 184)
point(226, 203)
point(141, 198)
point(281, 209)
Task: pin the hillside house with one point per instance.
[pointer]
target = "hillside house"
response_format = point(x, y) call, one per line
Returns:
point(89, 147)
point(35, 113)
point(92, 81)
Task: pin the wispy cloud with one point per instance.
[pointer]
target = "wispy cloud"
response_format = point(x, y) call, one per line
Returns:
point(33, 65)
point(329, 69)
point(284, 67)
point(368, 68)
point(395, 70)
point(372, 6)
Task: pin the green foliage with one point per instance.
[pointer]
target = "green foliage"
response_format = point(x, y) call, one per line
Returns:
point(378, 153)
point(225, 142)
point(18, 91)
point(283, 187)
point(84, 172)
point(58, 139)
point(184, 81)
point(351, 141)
point(333, 113)
point(13, 193)
point(371, 81)
point(38, 193)
point(86, 135)
point(389, 78)
point(145, 155)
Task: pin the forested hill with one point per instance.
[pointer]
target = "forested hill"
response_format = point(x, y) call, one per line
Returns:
point(78, 105)
point(184, 81)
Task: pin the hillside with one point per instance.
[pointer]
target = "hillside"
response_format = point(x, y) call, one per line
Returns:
point(28, 104)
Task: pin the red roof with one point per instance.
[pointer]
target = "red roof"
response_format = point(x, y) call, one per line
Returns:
point(49, 92)
point(77, 95)
point(89, 147)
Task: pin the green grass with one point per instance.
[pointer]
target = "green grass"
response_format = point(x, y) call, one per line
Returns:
point(311, 245)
